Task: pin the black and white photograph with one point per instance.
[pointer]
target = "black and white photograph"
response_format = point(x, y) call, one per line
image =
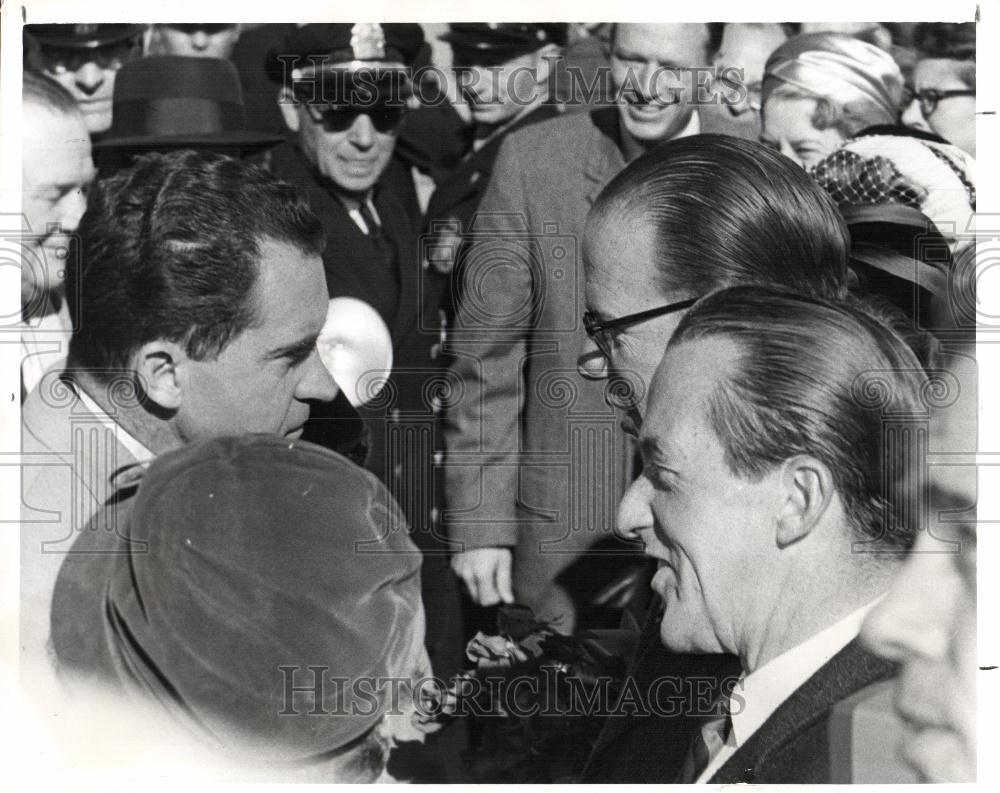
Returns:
point(437, 400)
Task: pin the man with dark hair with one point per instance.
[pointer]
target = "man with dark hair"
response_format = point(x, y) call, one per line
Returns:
point(693, 215)
point(343, 97)
point(535, 466)
point(56, 171)
point(84, 59)
point(944, 80)
point(200, 299)
point(776, 426)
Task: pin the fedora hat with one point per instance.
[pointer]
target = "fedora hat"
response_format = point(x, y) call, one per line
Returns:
point(170, 101)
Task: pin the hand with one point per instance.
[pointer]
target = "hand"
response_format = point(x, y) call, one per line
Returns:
point(488, 652)
point(486, 573)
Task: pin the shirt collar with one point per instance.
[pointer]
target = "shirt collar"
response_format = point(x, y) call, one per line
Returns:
point(132, 445)
point(759, 694)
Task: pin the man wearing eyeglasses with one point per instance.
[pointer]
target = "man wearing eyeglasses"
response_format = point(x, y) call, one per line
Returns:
point(343, 97)
point(944, 97)
point(84, 59)
point(535, 455)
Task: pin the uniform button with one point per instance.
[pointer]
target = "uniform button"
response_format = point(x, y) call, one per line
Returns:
point(434, 514)
point(438, 458)
point(397, 471)
point(394, 414)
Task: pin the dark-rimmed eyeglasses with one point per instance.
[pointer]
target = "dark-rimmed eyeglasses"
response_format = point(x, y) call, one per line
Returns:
point(603, 331)
point(929, 98)
point(340, 118)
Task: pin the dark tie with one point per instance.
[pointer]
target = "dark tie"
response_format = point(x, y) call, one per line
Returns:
point(374, 229)
point(709, 739)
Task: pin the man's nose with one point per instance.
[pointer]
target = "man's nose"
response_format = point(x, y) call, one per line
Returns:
point(76, 205)
point(634, 513)
point(317, 384)
point(89, 77)
point(362, 132)
point(912, 117)
point(592, 363)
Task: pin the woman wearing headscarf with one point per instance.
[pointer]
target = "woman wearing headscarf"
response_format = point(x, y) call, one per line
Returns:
point(821, 89)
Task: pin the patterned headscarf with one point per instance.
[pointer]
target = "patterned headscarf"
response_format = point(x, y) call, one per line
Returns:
point(837, 67)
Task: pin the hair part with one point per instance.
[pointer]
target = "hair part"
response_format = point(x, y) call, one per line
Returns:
point(726, 211)
point(821, 379)
point(169, 250)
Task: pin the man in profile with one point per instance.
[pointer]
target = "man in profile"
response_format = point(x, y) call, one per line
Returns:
point(769, 501)
point(536, 459)
point(198, 301)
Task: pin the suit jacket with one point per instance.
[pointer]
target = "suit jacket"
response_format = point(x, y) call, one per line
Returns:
point(402, 421)
point(535, 455)
point(793, 745)
point(71, 459)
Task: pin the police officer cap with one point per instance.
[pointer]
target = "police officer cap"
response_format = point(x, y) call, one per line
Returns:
point(344, 46)
point(495, 42)
point(81, 36)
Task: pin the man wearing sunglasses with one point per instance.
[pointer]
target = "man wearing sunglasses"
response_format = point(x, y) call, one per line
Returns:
point(84, 59)
point(344, 94)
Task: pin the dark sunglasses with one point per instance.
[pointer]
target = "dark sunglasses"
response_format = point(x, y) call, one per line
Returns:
point(928, 98)
point(602, 331)
point(59, 60)
point(340, 118)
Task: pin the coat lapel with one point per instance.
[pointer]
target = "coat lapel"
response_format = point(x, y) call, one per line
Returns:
point(848, 671)
point(602, 161)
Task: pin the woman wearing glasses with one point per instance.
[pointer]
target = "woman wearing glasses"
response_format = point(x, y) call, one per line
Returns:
point(944, 79)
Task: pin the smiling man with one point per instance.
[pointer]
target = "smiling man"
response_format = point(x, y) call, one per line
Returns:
point(345, 90)
point(535, 468)
point(56, 172)
point(200, 298)
point(767, 503)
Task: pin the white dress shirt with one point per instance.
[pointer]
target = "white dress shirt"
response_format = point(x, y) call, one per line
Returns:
point(758, 695)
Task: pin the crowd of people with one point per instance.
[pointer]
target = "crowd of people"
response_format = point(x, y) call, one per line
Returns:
point(664, 325)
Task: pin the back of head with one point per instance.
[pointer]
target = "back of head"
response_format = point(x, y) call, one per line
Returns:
point(727, 211)
point(824, 379)
point(254, 575)
point(169, 250)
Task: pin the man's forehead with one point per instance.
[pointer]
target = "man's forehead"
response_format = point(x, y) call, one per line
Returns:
point(663, 41)
point(686, 376)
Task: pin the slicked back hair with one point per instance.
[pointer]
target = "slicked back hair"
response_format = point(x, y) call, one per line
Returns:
point(726, 211)
point(170, 249)
point(822, 379)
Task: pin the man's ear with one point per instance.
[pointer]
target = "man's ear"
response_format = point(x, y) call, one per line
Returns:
point(158, 363)
point(806, 488)
point(289, 107)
